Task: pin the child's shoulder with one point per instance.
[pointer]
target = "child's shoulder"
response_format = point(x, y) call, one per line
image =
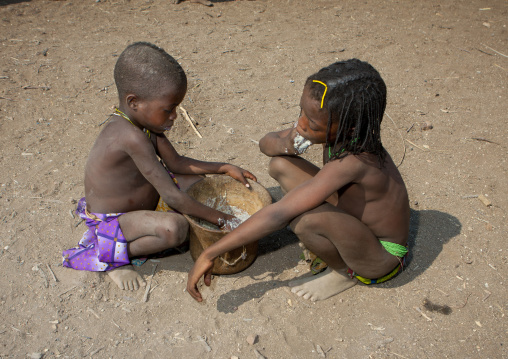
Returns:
point(120, 131)
point(118, 134)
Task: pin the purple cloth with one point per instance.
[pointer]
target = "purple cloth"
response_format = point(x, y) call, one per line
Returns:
point(103, 246)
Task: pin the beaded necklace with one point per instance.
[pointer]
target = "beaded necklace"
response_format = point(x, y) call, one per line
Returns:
point(342, 151)
point(121, 114)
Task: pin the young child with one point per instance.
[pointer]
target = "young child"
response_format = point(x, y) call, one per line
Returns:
point(133, 169)
point(354, 212)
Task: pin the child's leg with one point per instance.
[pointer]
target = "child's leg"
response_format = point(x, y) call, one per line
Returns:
point(147, 232)
point(341, 241)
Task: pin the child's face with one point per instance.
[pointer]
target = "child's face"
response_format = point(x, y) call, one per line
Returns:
point(313, 119)
point(158, 114)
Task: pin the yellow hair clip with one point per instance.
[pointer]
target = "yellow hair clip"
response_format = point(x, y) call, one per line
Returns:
point(324, 93)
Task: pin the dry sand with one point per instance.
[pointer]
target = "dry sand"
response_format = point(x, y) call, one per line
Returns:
point(445, 64)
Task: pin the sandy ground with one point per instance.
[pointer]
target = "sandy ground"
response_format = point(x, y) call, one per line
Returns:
point(444, 62)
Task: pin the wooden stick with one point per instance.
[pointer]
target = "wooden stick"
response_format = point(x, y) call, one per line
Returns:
point(29, 87)
point(147, 290)
point(423, 149)
point(52, 273)
point(497, 52)
point(68, 290)
point(423, 314)
point(96, 351)
point(188, 118)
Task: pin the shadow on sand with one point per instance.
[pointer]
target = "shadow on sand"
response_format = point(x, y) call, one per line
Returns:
point(429, 231)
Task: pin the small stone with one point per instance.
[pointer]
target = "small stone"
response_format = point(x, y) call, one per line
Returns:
point(36, 356)
point(485, 200)
point(252, 339)
point(427, 126)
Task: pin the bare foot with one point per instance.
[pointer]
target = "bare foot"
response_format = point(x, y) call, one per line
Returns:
point(126, 277)
point(323, 285)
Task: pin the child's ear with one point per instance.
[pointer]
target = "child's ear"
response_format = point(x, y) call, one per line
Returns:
point(132, 101)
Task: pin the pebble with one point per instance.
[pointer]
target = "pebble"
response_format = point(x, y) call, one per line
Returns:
point(427, 126)
point(252, 339)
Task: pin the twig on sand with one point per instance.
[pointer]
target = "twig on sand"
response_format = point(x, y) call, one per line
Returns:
point(483, 139)
point(401, 356)
point(52, 273)
point(6, 98)
point(29, 87)
point(68, 290)
point(96, 351)
point(470, 196)
point(497, 52)
point(188, 118)
point(423, 314)
point(93, 312)
point(423, 149)
point(464, 304)
point(149, 285)
point(258, 354)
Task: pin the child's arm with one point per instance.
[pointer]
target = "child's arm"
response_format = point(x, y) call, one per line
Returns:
point(279, 143)
point(286, 142)
point(276, 216)
point(142, 152)
point(185, 165)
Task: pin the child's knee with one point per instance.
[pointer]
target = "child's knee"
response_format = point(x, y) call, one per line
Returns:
point(175, 232)
point(304, 224)
point(277, 167)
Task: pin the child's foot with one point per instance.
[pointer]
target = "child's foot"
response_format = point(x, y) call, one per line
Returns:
point(323, 285)
point(126, 277)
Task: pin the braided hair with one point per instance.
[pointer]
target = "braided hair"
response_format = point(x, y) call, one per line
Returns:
point(354, 94)
point(145, 70)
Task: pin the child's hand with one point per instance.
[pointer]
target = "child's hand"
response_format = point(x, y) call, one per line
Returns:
point(238, 174)
point(202, 267)
point(229, 222)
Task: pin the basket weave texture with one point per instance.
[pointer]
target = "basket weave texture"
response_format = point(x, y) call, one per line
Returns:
point(237, 195)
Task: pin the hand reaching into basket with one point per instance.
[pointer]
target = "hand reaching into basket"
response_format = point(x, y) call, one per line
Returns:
point(229, 222)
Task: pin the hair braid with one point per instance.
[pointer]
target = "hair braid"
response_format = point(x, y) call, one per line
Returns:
point(356, 100)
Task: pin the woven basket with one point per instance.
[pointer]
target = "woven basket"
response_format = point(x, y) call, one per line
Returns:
point(237, 195)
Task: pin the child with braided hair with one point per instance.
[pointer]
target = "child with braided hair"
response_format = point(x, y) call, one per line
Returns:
point(353, 213)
